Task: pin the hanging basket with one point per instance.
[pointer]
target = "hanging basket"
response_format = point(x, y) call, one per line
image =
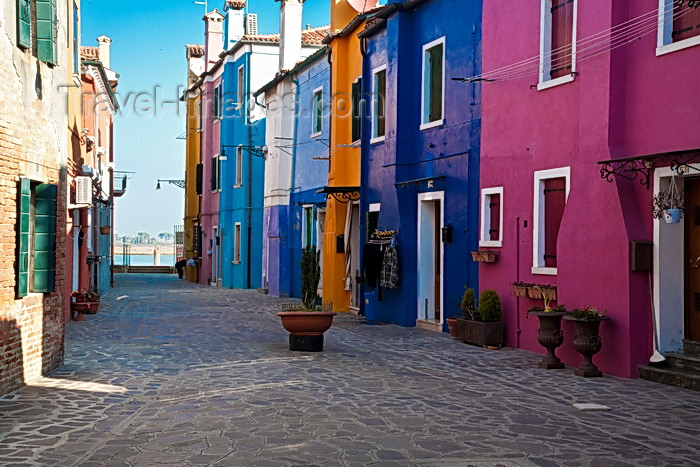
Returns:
point(673, 216)
point(104, 229)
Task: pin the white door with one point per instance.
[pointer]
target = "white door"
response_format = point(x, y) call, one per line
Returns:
point(355, 256)
point(214, 255)
point(430, 256)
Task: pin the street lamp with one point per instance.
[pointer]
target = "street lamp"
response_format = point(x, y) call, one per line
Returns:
point(178, 183)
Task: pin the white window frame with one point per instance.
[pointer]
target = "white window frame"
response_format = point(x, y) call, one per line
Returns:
point(375, 100)
point(484, 236)
point(538, 216)
point(545, 82)
point(440, 121)
point(240, 87)
point(664, 44)
point(356, 142)
point(237, 241)
point(316, 134)
point(239, 167)
point(375, 207)
point(216, 162)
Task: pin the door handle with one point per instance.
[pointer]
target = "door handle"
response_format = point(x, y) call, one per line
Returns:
point(696, 264)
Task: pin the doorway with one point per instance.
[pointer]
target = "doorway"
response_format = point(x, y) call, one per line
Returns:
point(692, 260)
point(430, 257)
point(215, 256)
point(354, 256)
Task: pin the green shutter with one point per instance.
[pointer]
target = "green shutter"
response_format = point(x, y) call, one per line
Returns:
point(44, 254)
point(24, 23)
point(436, 81)
point(46, 30)
point(318, 113)
point(356, 111)
point(24, 201)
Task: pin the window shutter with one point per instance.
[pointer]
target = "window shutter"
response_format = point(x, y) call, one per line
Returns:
point(24, 201)
point(214, 175)
point(495, 217)
point(46, 30)
point(686, 22)
point(554, 203)
point(436, 82)
point(381, 102)
point(24, 23)
point(44, 255)
point(318, 113)
point(198, 180)
point(356, 99)
point(562, 33)
point(308, 212)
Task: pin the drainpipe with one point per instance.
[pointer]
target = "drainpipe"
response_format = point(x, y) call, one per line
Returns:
point(292, 187)
point(365, 127)
point(517, 278)
point(249, 189)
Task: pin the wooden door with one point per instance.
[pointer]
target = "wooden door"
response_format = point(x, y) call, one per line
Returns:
point(692, 236)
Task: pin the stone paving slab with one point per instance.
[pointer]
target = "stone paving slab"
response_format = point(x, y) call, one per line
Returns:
point(179, 374)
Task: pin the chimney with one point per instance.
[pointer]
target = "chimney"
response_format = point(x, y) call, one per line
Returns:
point(235, 22)
point(104, 45)
point(290, 32)
point(214, 32)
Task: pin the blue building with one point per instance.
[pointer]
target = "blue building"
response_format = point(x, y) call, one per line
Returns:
point(420, 158)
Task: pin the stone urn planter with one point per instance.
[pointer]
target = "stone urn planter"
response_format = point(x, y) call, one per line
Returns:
point(550, 336)
point(306, 328)
point(587, 342)
point(452, 326)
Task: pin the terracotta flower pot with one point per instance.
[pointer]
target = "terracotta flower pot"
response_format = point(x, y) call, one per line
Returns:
point(452, 325)
point(306, 328)
point(104, 229)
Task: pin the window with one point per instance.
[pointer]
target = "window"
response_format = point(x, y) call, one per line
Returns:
point(198, 179)
point(373, 218)
point(307, 228)
point(239, 166)
point(679, 25)
point(199, 115)
point(218, 102)
point(551, 191)
point(557, 42)
point(356, 109)
point(44, 27)
point(237, 243)
point(491, 233)
point(433, 83)
point(317, 113)
point(216, 173)
point(240, 96)
point(378, 104)
point(36, 237)
point(76, 39)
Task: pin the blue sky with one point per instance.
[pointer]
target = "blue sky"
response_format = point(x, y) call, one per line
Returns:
point(149, 54)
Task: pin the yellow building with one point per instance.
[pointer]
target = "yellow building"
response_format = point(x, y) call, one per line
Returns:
point(341, 256)
point(193, 178)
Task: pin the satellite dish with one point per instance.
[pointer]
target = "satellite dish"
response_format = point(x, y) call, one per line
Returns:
point(363, 5)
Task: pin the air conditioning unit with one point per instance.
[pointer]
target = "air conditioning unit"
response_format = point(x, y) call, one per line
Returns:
point(251, 24)
point(83, 190)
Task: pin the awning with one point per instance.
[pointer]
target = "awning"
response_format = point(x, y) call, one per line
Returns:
point(342, 194)
point(641, 167)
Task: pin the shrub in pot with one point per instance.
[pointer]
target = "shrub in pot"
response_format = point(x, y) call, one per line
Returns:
point(482, 324)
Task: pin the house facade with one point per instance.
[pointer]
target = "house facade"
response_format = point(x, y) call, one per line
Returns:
point(573, 90)
point(35, 70)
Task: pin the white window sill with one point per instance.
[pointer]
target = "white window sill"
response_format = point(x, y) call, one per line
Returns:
point(436, 123)
point(235, 262)
point(237, 186)
point(541, 86)
point(491, 243)
point(378, 139)
point(316, 135)
point(544, 271)
point(676, 46)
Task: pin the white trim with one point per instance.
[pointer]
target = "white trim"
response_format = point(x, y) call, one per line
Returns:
point(375, 207)
point(377, 139)
point(544, 81)
point(237, 242)
point(313, 112)
point(357, 142)
point(424, 125)
point(484, 237)
point(538, 220)
point(423, 197)
point(238, 167)
point(304, 233)
point(664, 42)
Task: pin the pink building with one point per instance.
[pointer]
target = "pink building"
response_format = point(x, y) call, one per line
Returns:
point(569, 85)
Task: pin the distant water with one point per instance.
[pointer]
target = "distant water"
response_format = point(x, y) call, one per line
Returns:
point(145, 260)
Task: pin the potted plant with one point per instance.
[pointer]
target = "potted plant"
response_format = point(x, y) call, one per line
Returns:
point(587, 342)
point(668, 204)
point(520, 288)
point(104, 229)
point(484, 256)
point(481, 325)
point(307, 322)
point(549, 334)
point(84, 302)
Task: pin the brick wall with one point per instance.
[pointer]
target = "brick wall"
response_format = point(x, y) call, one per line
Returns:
point(33, 144)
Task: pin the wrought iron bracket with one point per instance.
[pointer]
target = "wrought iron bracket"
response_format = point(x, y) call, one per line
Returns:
point(641, 168)
point(342, 194)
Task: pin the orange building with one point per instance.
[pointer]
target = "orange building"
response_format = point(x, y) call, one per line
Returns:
point(341, 256)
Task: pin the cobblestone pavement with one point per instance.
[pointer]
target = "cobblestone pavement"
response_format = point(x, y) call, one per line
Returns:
point(175, 373)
